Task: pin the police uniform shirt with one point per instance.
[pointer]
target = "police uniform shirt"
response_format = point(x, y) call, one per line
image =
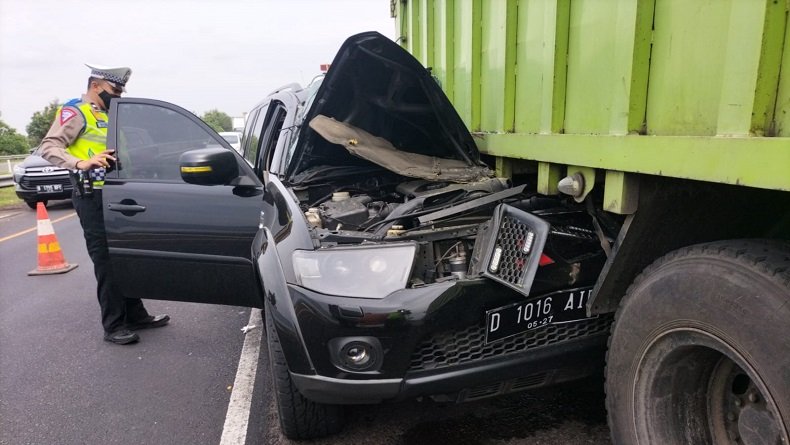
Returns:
point(65, 129)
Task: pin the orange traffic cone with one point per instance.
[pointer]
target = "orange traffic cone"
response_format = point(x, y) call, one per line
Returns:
point(50, 258)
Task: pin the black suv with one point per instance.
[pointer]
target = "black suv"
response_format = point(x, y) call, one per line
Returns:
point(36, 180)
point(388, 259)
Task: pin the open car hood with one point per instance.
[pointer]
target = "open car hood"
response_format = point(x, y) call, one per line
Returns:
point(377, 92)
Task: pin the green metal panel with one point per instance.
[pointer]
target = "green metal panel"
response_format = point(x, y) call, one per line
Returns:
point(640, 66)
point(755, 161)
point(414, 39)
point(542, 44)
point(621, 193)
point(782, 114)
point(466, 54)
point(744, 40)
point(427, 43)
point(498, 65)
point(504, 167)
point(443, 43)
point(600, 57)
point(681, 73)
point(687, 66)
point(768, 72)
point(549, 176)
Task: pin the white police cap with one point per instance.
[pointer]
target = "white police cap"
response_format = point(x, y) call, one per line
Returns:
point(118, 76)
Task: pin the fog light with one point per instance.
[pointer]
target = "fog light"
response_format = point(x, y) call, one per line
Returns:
point(356, 354)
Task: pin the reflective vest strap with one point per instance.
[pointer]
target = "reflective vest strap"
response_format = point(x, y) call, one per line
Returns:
point(93, 138)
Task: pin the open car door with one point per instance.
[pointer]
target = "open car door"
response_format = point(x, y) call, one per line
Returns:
point(170, 239)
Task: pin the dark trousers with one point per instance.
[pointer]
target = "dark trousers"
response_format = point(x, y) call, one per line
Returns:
point(116, 311)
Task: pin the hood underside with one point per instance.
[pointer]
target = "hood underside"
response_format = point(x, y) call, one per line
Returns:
point(381, 152)
point(379, 90)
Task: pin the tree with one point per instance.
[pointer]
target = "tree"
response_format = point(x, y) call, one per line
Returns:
point(11, 142)
point(40, 123)
point(218, 120)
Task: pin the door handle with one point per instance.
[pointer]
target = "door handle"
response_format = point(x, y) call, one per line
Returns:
point(125, 208)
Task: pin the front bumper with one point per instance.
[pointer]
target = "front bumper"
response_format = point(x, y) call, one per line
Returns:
point(27, 189)
point(433, 341)
point(520, 372)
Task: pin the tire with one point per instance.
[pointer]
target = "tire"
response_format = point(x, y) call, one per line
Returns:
point(700, 349)
point(300, 418)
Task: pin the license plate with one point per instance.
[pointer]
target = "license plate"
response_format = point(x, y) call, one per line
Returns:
point(50, 188)
point(558, 307)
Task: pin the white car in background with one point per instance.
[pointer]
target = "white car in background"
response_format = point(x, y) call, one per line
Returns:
point(233, 138)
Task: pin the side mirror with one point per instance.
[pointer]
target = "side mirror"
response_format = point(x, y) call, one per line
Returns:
point(208, 166)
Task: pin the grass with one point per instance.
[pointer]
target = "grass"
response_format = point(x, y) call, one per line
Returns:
point(8, 198)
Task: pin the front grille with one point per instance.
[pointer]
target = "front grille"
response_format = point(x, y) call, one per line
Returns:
point(455, 348)
point(33, 181)
point(505, 387)
point(512, 235)
point(510, 251)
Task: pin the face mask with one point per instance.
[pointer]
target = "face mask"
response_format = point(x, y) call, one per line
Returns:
point(106, 97)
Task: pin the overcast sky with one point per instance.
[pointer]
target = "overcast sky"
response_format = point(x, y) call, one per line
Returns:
point(199, 54)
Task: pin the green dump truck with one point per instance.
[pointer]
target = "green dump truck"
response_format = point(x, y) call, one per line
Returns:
point(673, 115)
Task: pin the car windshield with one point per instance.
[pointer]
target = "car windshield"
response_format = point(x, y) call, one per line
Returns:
point(231, 138)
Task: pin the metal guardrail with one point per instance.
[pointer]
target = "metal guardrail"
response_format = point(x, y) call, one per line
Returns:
point(7, 163)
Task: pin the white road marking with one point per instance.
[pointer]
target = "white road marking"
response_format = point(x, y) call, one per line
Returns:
point(238, 416)
point(33, 229)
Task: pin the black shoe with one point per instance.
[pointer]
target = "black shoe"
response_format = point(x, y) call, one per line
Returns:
point(151, 321)
point(121, 337)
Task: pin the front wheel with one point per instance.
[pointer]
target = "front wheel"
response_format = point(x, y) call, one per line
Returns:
point(300, 418)
point(700, 349)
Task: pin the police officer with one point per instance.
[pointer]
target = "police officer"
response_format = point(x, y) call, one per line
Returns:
point(77, 141)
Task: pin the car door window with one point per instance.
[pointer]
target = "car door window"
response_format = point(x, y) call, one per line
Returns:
point(252, 136)
point(273, 128)
point(152, 138)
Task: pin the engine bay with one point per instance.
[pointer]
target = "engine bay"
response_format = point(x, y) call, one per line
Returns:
point(449, 221)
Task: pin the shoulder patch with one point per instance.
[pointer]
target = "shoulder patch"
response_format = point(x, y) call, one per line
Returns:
point(66, 114)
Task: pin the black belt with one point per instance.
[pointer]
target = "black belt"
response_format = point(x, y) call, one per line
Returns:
point(82, 182)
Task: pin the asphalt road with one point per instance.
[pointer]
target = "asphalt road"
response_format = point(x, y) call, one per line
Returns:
point(60, 383)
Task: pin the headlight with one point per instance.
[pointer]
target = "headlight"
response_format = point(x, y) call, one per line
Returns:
point(362, 271)
point(18, 173)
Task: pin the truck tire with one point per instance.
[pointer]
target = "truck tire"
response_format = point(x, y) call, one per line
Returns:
point(300, 418)
point(700, 348)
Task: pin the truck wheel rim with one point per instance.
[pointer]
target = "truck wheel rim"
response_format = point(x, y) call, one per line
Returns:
point(691, 387)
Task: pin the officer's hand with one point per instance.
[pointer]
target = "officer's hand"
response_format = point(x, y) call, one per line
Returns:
point(103, 159)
